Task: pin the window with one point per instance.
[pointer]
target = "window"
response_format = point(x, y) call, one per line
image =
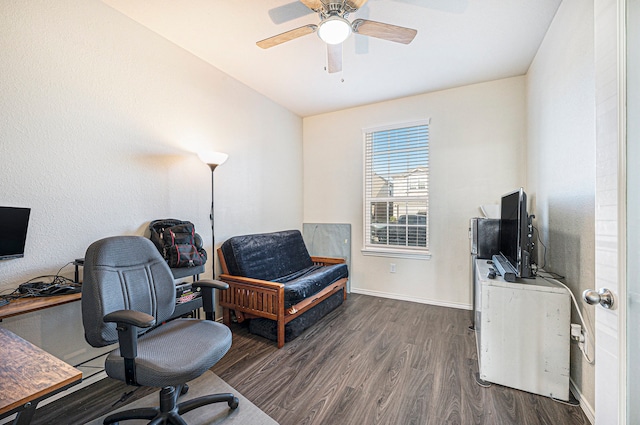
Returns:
point(396, 200)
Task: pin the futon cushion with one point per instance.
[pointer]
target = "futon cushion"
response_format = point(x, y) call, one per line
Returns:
point(269, 329)
point(309, 281)
point(266, 256)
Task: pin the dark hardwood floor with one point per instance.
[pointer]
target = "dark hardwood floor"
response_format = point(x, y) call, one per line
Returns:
point(371, 361)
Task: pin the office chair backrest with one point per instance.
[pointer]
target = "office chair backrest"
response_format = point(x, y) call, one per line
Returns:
point(124, 272)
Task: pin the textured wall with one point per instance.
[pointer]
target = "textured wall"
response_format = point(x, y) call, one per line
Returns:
point(561, 161)
point(476, 155)
point(99, 122)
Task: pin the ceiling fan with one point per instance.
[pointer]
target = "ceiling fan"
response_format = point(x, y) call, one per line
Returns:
point(334, 28)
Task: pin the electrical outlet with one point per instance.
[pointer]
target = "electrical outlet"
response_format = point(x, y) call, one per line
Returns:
point(585, 343)
point(576, 332)
point(392, 268)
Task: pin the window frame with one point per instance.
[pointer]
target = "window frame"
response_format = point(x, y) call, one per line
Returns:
point(400, 251)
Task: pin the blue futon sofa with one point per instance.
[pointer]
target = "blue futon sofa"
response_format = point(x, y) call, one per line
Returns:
point(276, 283)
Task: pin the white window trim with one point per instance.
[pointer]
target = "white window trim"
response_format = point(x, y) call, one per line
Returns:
point(386, 251)
point(395, 253)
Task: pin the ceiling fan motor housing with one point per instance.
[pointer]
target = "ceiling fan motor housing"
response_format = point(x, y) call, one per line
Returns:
point(336, 7)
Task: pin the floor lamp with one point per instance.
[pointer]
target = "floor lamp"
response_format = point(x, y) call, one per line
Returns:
point(213, 159)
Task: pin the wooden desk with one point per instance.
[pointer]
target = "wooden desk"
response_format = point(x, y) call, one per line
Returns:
point(29, 304)
point(26, 305)
point(29, 374)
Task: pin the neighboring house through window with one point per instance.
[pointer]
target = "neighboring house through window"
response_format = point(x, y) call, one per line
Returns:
point(396, 188)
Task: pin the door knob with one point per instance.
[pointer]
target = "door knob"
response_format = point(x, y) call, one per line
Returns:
point(604, 297)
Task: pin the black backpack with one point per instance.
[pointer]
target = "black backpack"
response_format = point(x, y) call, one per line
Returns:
point(178, 242)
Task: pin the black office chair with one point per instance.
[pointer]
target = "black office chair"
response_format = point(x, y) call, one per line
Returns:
point(128, 290)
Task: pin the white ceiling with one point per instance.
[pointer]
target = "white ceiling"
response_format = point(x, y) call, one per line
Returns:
point(459, 42)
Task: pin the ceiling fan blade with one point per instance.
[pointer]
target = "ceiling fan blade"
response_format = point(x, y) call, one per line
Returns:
point(355, 4)
point(384, 31)
point(288, 12)
point(334, 58)
point(315, 5)
point(287, 36)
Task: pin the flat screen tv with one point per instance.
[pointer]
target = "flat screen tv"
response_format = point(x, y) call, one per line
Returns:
point(515, 233)
point(13, 231)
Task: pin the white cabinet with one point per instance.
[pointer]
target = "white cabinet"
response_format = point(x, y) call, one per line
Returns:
point(523, 333)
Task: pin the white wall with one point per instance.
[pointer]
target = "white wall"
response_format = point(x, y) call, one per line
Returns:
point(476, 155)
point(561, 161)
point(99, 122)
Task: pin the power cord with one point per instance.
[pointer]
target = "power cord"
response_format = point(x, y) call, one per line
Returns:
point(575, 303)
point(34, 287)
point(125, 396)
point(544, 254)
point(555, 277)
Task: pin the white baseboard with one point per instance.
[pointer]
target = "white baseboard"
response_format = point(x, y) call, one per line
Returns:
point(392, 296)
point(588, 409)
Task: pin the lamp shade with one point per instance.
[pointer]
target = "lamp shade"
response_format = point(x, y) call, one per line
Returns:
point(334, 30)
point(213, 158)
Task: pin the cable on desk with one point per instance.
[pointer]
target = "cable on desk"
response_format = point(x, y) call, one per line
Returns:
point(59, 285)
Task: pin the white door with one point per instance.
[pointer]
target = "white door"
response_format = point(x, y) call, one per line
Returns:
point(632, 298)
point(618, 330)
point(611, 227)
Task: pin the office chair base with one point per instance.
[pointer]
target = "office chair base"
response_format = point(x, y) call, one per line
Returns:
point(170, 411)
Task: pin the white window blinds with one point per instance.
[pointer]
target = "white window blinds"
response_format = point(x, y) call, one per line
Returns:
point(396, 200)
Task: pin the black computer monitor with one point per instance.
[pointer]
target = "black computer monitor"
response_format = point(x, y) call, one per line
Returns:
point(13, 231)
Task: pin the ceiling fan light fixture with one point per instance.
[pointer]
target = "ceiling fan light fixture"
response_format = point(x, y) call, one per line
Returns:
point(334, 30)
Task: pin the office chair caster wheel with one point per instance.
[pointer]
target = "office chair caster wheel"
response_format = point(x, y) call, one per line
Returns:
point(184, 389)
point(233, 404)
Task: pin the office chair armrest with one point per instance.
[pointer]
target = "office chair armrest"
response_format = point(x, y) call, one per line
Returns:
point(210, 283)
point(207, 286)
point(130, 317)
point(127, 324)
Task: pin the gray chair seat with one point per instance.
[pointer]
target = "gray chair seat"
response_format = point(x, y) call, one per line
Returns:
point(159, 364)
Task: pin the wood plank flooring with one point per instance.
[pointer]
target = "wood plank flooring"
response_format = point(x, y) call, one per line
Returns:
point(371, 361)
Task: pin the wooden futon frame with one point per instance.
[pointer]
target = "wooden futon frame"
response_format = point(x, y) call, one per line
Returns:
point(252, 298)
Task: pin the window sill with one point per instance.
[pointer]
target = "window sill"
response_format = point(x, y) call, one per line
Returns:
point(396, 253)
